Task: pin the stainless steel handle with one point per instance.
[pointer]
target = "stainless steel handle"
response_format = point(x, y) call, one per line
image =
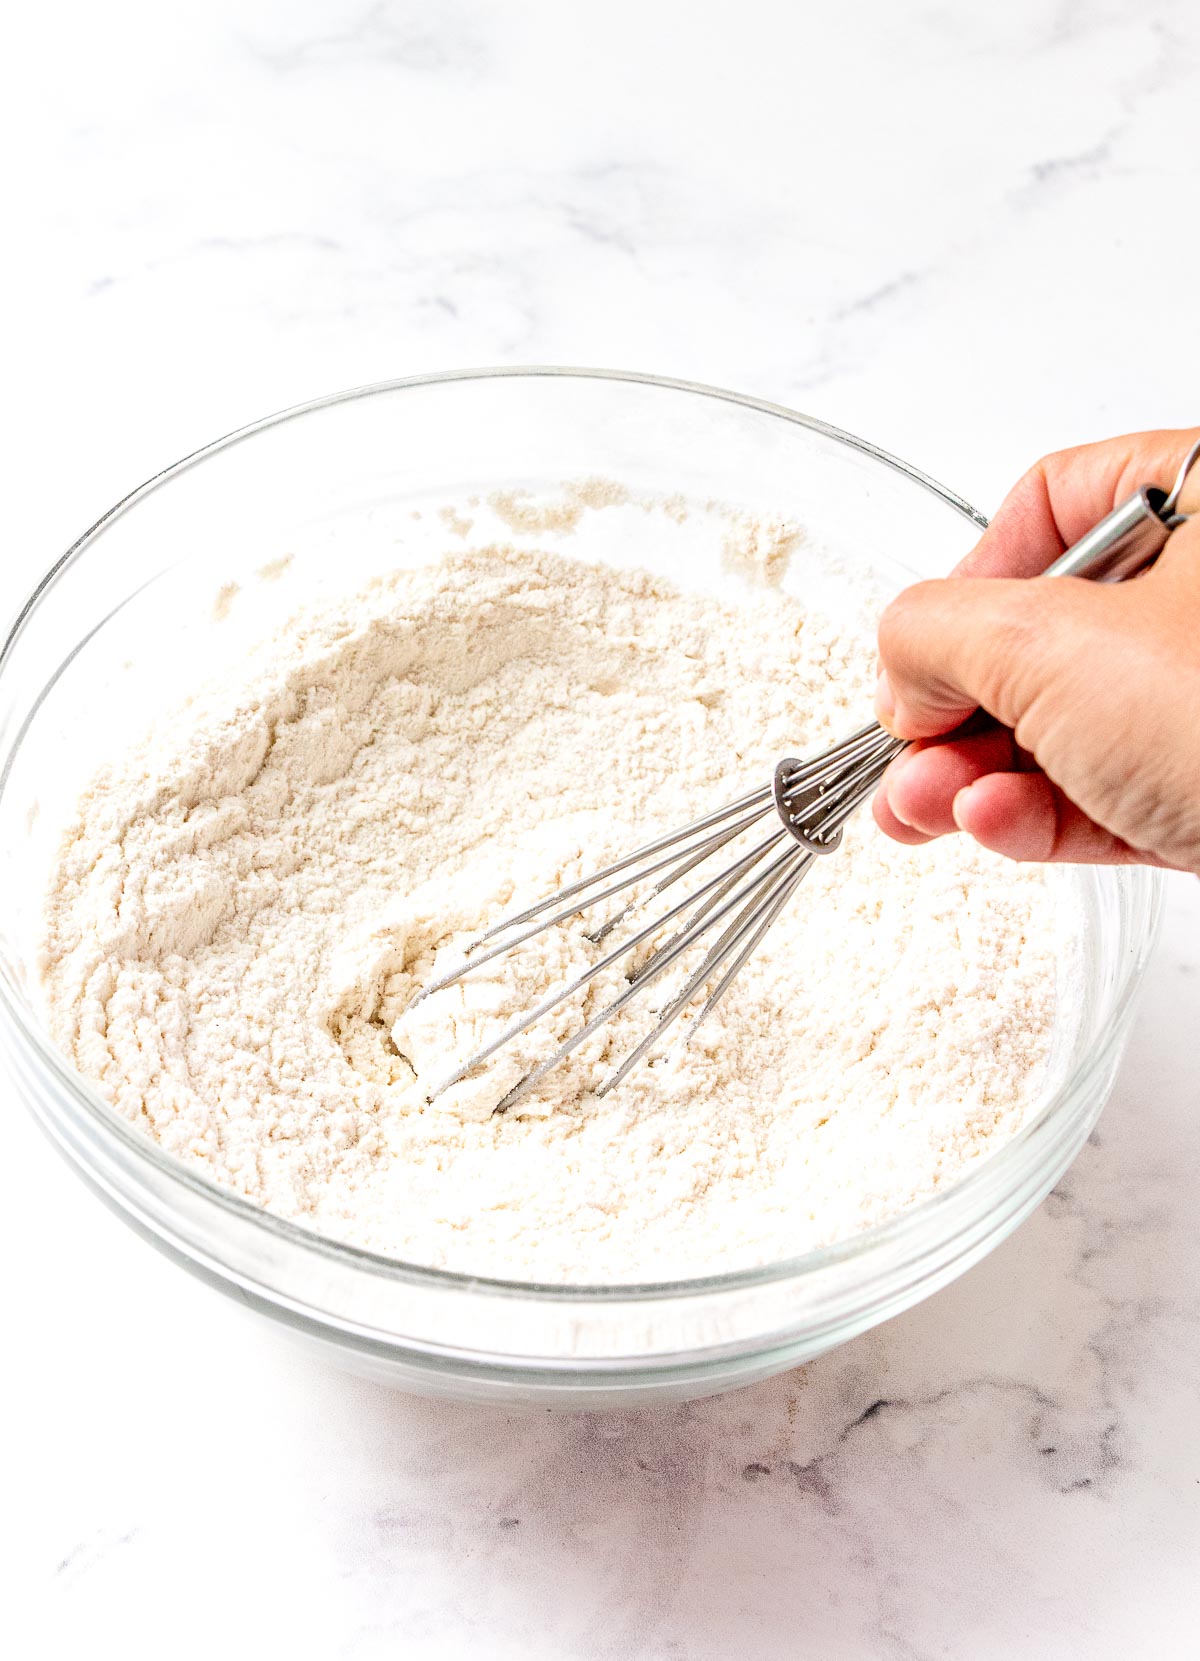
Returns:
point(1130, 537)
point(1124, 542)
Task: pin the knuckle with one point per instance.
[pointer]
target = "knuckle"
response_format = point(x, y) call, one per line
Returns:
point(1035, 482)
point(1042, 645)
point(903, 616)
point(1024, 608)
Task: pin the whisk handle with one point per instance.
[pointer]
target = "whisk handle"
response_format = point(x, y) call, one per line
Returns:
point(1130, 537)
point(1124, 542)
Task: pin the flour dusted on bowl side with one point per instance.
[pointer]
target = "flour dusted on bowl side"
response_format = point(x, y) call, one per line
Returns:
point(245, 908)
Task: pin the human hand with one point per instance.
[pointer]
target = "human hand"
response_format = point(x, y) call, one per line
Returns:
point(1083, 698)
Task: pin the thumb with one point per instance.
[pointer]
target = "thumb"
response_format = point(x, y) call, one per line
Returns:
point(953, 645)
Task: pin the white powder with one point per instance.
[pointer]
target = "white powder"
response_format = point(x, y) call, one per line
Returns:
point(246, 907)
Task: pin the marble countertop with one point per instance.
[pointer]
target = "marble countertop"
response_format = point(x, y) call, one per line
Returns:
point(952, 228)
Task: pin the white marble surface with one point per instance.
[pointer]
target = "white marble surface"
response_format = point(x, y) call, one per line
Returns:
point(968, 231)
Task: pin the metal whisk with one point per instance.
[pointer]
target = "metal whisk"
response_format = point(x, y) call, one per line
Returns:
point(808, 802)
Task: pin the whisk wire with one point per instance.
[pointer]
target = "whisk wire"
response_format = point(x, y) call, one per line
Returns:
point(748, 950)
point(704, 851)
point(668, 839)
point(659, 964)
point(653, 927)
point(754, 920)
point(813, 799)
point(473, 961)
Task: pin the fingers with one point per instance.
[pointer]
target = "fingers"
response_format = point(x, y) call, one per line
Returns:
point(919, 789)
point(893, 827)
point(1065, 494)
point(1023, 537)
point(952, 646)
point(1025, 817)
point(926, 684)
point(1072, 669)
point(1177, 570)
point(1021, 815)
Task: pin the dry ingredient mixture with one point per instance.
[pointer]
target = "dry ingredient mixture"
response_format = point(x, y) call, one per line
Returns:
point(247, 905)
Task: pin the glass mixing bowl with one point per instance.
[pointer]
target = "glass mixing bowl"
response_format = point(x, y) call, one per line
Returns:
point(122, 625)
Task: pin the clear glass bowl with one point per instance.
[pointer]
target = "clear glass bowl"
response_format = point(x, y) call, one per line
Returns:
point(113, 630)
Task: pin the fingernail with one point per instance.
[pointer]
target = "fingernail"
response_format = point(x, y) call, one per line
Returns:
point(896, 814)
point(885, 701)
point(889, 784)
point(957, 805)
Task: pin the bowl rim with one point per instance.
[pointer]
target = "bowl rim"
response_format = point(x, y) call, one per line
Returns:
point(143, 1149)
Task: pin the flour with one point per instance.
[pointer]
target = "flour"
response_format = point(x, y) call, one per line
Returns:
point(760, 550)
point(247, 905)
